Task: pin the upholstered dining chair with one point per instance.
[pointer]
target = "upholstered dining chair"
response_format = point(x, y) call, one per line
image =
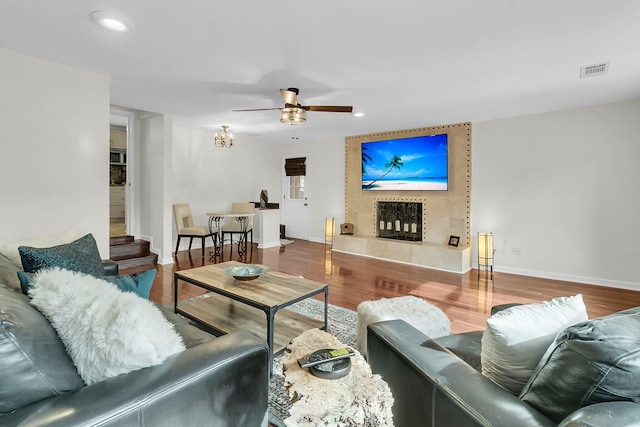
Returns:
point(185, 227)
point(234, 226)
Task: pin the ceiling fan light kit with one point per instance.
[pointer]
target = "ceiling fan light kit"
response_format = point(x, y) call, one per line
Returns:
point(293, 115)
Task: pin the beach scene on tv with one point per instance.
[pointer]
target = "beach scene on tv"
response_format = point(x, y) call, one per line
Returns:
point(418, 163)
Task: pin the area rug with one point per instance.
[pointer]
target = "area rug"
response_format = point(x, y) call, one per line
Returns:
point(342, 324)
point(285, 242)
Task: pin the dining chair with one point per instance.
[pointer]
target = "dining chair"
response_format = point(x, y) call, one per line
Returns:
point(234, 226)
point(185, 227)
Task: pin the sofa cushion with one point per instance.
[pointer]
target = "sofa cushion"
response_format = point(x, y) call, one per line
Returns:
point(8, 272)
point(33, 362)
point(106, 332)
point(80, 255)
point(11, 250)
point(191, 335)
point(591, 362)
point(467, 346)
point(516, 338)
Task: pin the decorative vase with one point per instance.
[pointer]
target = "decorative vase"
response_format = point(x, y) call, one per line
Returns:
point(264, 198)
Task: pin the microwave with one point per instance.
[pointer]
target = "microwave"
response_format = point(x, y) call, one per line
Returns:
point(117, 157)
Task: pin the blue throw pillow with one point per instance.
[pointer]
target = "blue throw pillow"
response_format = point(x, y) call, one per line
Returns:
point(81, 255)
point(138, 283)
point(25, 281)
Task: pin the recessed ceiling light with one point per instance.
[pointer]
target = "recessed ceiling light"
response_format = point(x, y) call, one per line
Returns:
point(112, 21)
point(358, 114)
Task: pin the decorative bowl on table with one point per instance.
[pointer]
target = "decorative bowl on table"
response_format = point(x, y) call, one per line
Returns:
point(245, 271)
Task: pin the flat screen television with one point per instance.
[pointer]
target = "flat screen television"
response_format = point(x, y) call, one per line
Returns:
point(419, 163)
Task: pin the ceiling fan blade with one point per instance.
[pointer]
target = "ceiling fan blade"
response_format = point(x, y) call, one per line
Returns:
point(330, 108)
point(259, 109)
point(290, 95)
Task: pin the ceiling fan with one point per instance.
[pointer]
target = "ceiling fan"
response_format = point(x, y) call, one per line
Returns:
point(294, 114)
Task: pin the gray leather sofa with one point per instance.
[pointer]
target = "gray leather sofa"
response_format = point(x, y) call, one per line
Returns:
point(437, 382)
point(215, 381)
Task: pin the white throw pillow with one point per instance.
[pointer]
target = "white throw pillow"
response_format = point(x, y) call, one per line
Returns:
point(105, 331)
point(516, 338)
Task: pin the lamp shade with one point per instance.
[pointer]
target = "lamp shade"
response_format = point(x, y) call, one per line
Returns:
point(329, 228)
point(485, 249)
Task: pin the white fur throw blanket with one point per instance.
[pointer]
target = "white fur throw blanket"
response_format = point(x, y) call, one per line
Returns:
point(105, 331)
point(425, 317)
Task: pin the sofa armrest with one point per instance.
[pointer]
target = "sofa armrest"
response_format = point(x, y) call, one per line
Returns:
point(222, 382)
point(431, 386)
point(619, 414)
point(110, 268)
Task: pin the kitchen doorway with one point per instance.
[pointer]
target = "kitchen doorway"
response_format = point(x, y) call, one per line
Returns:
point(120, 173)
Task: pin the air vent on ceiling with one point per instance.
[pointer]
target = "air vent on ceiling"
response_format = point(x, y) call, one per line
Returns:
point(594, 70)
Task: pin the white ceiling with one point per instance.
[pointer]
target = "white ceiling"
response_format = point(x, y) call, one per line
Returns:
point(404, 63)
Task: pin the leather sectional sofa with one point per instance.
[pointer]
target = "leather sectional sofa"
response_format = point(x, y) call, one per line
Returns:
point(216, 381)
point(437, 382)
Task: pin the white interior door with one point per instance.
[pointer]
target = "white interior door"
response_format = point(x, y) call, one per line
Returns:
point(296, 207)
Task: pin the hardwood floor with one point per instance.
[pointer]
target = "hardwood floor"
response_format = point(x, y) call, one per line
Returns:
point(466, 299)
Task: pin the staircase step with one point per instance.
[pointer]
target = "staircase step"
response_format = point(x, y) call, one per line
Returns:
point(149, 260)
point(120, 240)
point(139, 248)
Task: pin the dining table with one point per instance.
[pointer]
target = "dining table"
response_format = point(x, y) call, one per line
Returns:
point(215, 218)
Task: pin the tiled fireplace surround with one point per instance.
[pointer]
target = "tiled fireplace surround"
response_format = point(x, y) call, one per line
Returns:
point(443, 213)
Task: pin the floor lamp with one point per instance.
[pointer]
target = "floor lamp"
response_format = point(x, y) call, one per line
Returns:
point(485, 251)
point(329, 228)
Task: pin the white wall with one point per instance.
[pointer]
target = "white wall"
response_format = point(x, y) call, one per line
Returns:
point(210, 178)
point(561, 187)
point(155, 185)
point(55, 147)
point(325, 181)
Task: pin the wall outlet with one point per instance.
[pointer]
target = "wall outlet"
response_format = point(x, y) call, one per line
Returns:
point(504, 247)
point(515, 251)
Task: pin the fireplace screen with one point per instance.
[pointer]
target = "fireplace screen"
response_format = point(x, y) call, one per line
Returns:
point(399, 220)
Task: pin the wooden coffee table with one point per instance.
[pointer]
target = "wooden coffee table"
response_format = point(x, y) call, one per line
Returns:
point(250, 305)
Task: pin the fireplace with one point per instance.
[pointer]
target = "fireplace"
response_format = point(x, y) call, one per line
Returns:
point(399, 220)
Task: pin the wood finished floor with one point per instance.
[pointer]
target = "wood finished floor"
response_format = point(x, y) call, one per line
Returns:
point(466, 299)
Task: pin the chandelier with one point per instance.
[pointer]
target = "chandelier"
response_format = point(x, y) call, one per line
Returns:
point(293, 115)
point(223, 139)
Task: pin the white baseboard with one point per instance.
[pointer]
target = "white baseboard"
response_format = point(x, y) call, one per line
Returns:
point(269, 245)
point(634, 286)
